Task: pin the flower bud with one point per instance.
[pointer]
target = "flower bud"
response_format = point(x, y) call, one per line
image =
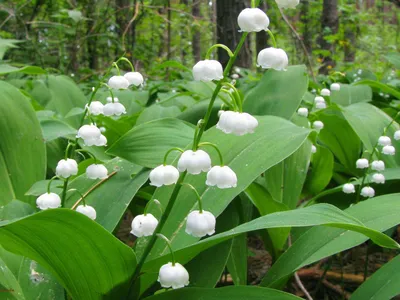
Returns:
point(349, 188)
point(325, 92)
point(287, 3)
point(118, 82)
point(397, 135)
point(96, 172)
point(163, 175)
point(362, 163)
point(66, 168)
point(95, 108)
point(174, 276)
point(367, 191)
point(87, 210)
point(335, 87)
point(194, 162)
point(222, 177)
point(48, 200)
point(200, 224)
point(114, 109)
point(389, 150)
point(110, 99)
point(384, 141)
point(378, 178)
point(378, 165)
point(134, 78)
point(313, 149)
point(273, 58)
point(144, 225)
point(253, 20)
point(318, 125)
point(236, 123)
point(208, 70)
point(303, 112)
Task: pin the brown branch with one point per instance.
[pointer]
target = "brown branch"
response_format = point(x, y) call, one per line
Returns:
point(316, 273)
point(129, 24)
point(92, 189)
point(338, 289)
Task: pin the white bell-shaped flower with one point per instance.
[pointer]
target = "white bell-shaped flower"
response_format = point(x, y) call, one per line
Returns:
point(66, 168)
point(194, 162)
point(362, 163)
point(384, 140)
point(110, 99)
point(253, 20)
point(397, 135)
point(200, 224)
point(349, 188)
point(273, 58)
point(222, 177)
point(144, 225)
point(95, 108)
point(335, 87)
point(95, 171)
point(101, 141)
point(236, 123)
point(114, 109)
point(173, 275)
point(389, 150)
point(320, 105)
point(367, 191)
point(87, 210)
point(287, 3)
point(319, 99)
point(378, 178)
point(208, 70)
point(313, 149)
point(134, 78)
point(378, 165)
point(325, 92)
point(88, 132)
point(163, 175)
point(303, 112)
point(48, 200)
point(118, 82)
point(318, 125)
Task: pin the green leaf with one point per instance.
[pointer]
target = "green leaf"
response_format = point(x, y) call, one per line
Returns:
point(75, 249)
point(383, 284)
point(350, 94)
point(321, 170)
point(22, 150)
point(381, 86)
point(272, 96)
point(157, 111)
point(40, 187)
point(146, 144)
point(54, 129)
point(369, 122)
point(232, 293)
point(173, 64)
point(380, 213)
point(30, 70)
point(394, 59)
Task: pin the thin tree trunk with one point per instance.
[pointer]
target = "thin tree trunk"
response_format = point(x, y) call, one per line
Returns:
point(196, 37)
point(307, 35)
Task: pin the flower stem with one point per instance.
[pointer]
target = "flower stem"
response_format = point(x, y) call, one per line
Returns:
point(226, 48)
point(80, 194)
point(49, 184)
point(169, 247)
point(88, 152)
point(221, 159)
point(149, 203)
point(116, 66)
point(197, 195)
point(169, 151)
point(128, 61)
point(272, 37)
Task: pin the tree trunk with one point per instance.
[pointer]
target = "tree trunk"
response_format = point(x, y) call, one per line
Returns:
point(350, 35)
point(196, 37)
point(228, 34)
point(329, 26)
point(307, 34)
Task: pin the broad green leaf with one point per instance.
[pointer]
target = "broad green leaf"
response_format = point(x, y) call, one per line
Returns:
point(278, 93)
point(196, 112)
point(54, 129)
point(369, 122)
point(381, 86)
point(40, 187)
point(394, 59)
point(112, 198)
point(200, 88)
point(350, 94)
point(15, 209)
point(285, 180)
point(22, 150)
point(320, 214)
point(380, 213)
point(382, 285)
point(321, 170)
point(273, 140)
point(146, 144)
point(232, 293)
point(156, 112)
point(75, 249)
point(30, 70)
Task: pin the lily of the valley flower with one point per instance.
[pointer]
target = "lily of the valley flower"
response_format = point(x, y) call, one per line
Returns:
point(134, 78)
point(118, 82)
point(144, 225)
point(273, 58)
point(378, 178)
point(114, 109)
point(95, 108)
point(87, 210)
point(66, 168)
point(48, 200)
point(367, 191)
point(397, 135)
point(389, 150)
point(302, 111)
point(208, 70)
point(378, 165)
point(384, 140)
point(236, 123)
point(349, 188)
point(95, 171)
point(335, 87)
point(200, 224)
point(318, 125)
point(221, 176)
point(287, 3)
point(320, 102)
point(194, 162)
point(313, 149)
point(253, 20)
point(362, 163)
point(163, 175)
point(91, 136)
point(325, 92)
point(173, 275)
